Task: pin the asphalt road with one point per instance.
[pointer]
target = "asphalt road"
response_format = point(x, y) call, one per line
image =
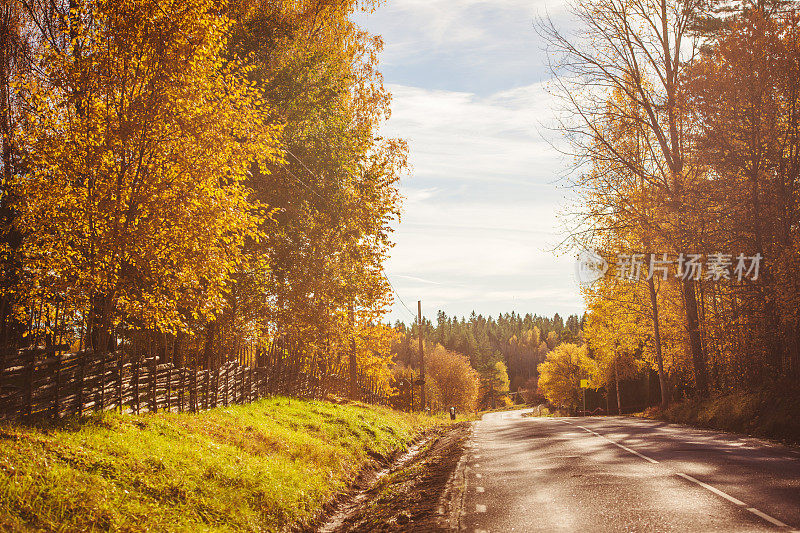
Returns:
point(624, 474)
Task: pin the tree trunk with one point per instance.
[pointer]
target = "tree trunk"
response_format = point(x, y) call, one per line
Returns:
point(353, 370)
point(101, 323)
point(662, 381)
point(695, 342)
point(208, 348)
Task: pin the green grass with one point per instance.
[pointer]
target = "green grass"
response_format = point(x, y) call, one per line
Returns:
point(267, 466)
point(764, 413)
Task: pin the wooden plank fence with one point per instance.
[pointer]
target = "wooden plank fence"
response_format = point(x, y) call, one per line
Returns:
point(41, 382)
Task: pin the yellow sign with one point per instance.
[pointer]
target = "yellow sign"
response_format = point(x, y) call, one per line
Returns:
point(584, 383)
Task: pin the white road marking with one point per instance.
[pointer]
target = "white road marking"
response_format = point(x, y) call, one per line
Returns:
point(480, 489)
point(480, 508)
point(767, 517)
point(772, 520)
point(712, 489)
point(478, 476)
point(634, 452)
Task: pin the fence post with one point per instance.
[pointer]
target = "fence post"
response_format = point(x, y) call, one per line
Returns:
point(120, 371)
point(169, 389)
point(153, 385)
point(102, 383)
point(193, 390)
point(57, 392)
point(181, 389)
point(28, 409)
point(227, 386)
point(135, 378)
point(79, 383)
point(250, 394)
point(208, 388)
point(240, 382)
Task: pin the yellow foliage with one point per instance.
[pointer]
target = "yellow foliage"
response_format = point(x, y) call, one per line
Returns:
point(561, 373)
point(451, 381)
point(139, 138)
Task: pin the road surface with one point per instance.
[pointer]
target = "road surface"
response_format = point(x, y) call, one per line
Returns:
point(623, 474)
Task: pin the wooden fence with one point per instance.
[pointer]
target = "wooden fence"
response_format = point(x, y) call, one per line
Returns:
point(46, 383)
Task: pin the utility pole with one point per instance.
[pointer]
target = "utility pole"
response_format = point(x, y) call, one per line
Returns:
point(353, 374)
point(616, 383)
point(584, 386)
point(421, 359)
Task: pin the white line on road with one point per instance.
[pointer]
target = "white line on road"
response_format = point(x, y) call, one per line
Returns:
point(760, 514)
point(480, 489)
point(478, 476)
point(767, 517)
point(712, 489)
point(772, 520)
point(634, 452)
point(480, 508)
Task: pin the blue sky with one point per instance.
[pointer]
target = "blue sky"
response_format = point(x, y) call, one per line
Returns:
point(469, 84)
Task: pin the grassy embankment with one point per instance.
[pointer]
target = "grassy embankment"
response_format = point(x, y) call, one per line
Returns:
point(764, 413)
point(267, 466)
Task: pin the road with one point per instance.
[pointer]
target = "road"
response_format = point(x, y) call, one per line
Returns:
point(623, 474)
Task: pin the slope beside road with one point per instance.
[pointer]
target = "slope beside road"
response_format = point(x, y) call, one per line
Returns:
point(624, 474)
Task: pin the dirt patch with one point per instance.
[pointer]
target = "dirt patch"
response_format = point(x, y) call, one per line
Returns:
point(422, 494)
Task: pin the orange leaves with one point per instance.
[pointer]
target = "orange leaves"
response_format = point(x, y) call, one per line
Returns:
point(451, 381)
point(561, 372)
point(136, 189)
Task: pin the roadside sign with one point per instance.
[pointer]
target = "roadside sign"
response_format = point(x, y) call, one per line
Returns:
point(584, 383)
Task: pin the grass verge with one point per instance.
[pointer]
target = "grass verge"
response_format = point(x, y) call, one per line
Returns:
point(763, 413)
point(266, 466)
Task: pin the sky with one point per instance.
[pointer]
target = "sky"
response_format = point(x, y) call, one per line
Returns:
point(480, 221)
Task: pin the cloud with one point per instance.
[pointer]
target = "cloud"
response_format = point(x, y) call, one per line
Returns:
point(470, 95)
point(455, 23)
point(462, 136)
point(480, 46)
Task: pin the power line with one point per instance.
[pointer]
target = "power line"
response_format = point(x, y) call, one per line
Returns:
point(306, 167)
point(292, 174)
point(396, 293)
point(315, 192)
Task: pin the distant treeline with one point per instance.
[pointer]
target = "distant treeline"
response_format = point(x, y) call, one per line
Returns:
point(518, 341)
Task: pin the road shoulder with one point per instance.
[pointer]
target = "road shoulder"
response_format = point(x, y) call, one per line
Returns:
point(422, 495)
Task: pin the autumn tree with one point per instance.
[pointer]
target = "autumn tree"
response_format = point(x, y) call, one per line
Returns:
point(336, 190)
point(450, 380)
point(616, 332)
point(628, 67)
point(494, 384)
point(561, 372)
point(134, 209)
